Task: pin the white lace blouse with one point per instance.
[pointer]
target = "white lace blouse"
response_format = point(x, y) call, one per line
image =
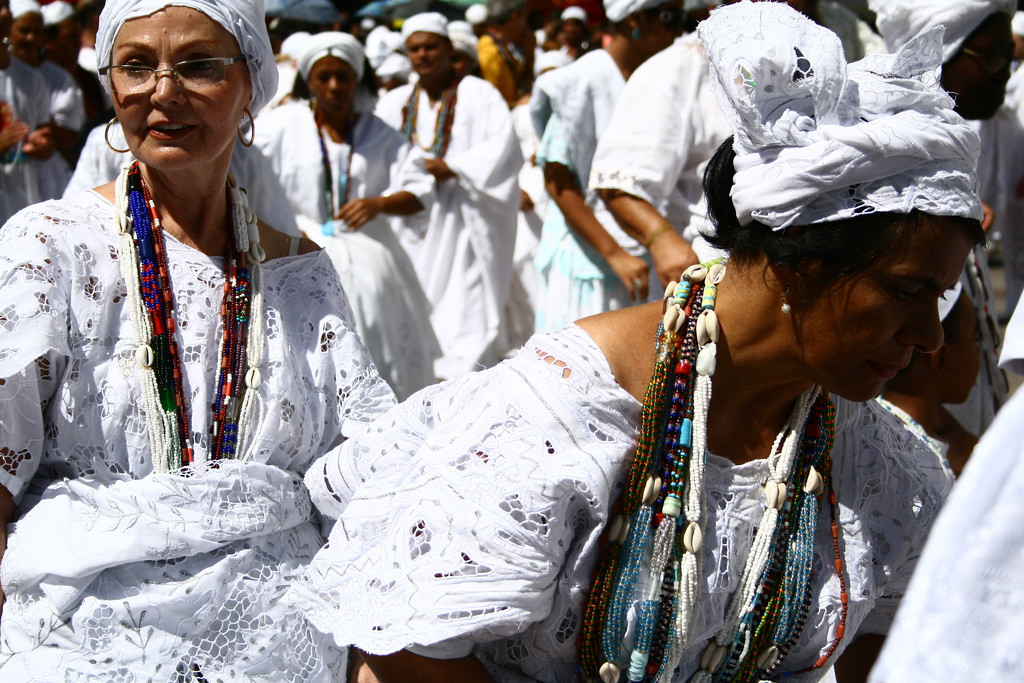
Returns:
point(468, 518)
point(159, 574)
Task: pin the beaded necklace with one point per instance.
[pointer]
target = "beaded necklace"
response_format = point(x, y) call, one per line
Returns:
point(142, 256)
point(445, 118)
point(343, 180)
point(662, 508)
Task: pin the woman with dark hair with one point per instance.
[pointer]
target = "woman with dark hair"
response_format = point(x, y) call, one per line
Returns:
point(687, 490)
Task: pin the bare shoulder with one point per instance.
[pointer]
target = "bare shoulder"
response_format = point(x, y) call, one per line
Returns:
point(278, 244)
point(106, 191)
point(627, 339)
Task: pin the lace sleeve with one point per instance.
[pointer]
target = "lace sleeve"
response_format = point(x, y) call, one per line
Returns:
point(898, 486)
point(34, 339)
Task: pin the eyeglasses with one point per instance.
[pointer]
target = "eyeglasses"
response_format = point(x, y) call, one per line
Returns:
point(993, 63)
point(191, 74)
point(674, 18)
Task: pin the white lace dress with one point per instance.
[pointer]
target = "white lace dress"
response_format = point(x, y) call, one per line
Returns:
point(114, 573)
point(469, 518)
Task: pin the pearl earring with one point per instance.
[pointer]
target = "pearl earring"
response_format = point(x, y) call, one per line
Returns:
point(786, 308)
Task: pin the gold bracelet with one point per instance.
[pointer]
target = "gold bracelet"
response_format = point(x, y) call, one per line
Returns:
point(657, 231)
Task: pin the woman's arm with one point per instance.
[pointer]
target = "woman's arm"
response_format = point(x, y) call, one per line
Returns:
point(358, 212)
point(670, 252)
point(560, 184)
point(405, 666)
point(6, 517)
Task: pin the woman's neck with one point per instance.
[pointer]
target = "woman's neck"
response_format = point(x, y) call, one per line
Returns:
point(758, 377)
point(337, 125)
point(625, 54)
point(193, 212)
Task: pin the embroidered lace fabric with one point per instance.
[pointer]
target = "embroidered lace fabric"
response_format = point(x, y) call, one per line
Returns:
point(113, 573)
point(469, 518)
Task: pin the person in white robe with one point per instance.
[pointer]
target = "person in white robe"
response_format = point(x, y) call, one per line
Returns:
point(471, 519)
point(962, 617)
point(584, 269)
point(146, 534)
point(327, 150)
point(24, 111)
point(66, 106)
point(463, 252)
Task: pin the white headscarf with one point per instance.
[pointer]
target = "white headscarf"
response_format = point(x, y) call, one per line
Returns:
point(463, 39)
point(900, 20)
point(19, 7)
point(244, 19)
point(1017, 24)
point(819, 140)
point(617, 10)
point(56, 12)
point(395, 66)
point(429, 22)
point(341, 45)
point(294, 45)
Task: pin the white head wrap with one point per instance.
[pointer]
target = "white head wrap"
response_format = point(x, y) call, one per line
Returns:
point(19, 7)
point(476, 14)
point(574, 12)
point(1017, 23)
point(819, 140)
point(344, 46)
point(552, 59)
point(294, 45)
point(395, 66)
point(56, 12)
point(381, 43)
point(617, 10)
point(244, 19)
point(900, 20)
point(463, 39)
point(428, 22)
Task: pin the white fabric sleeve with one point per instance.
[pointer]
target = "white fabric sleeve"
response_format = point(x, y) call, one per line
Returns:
point(67, 103)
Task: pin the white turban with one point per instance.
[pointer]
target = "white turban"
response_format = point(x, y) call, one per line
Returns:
point(294, 45)
point(244, 19)
point(395, 66)
point(19, 7)
point(428, 22)
point(463, 39)
point(819, 140)
point(900, 20)
point(1017, 24)
point(381, 43)
point(56, 12)
point(552, 59)
point(476, 14)
point(341, 45)
point(617, 10)
point(574, 12)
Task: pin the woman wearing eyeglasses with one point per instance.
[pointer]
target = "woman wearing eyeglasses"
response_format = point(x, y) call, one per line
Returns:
point(167, 372)
point(583, 269)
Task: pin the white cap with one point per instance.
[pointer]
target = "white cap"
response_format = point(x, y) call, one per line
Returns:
point(476, 14)
point(56, 12)
point(577, 13)
point(1017, 24)
point(428, 22)
point(19, 7)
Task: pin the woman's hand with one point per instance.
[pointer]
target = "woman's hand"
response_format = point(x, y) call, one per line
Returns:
point(12, 134)
point(671, 255)
point(39, 143)
point(633, 272)
point(358, 212)
point(438, 169)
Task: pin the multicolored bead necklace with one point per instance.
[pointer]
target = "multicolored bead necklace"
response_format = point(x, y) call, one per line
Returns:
point(143, 258)
point(343, 180)
point(662, 508)
point(445, 118)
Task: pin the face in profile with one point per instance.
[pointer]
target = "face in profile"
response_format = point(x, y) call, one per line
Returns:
point(976, 76)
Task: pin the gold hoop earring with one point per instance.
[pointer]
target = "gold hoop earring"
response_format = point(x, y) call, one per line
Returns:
point(106, 137)
point(252, 130)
